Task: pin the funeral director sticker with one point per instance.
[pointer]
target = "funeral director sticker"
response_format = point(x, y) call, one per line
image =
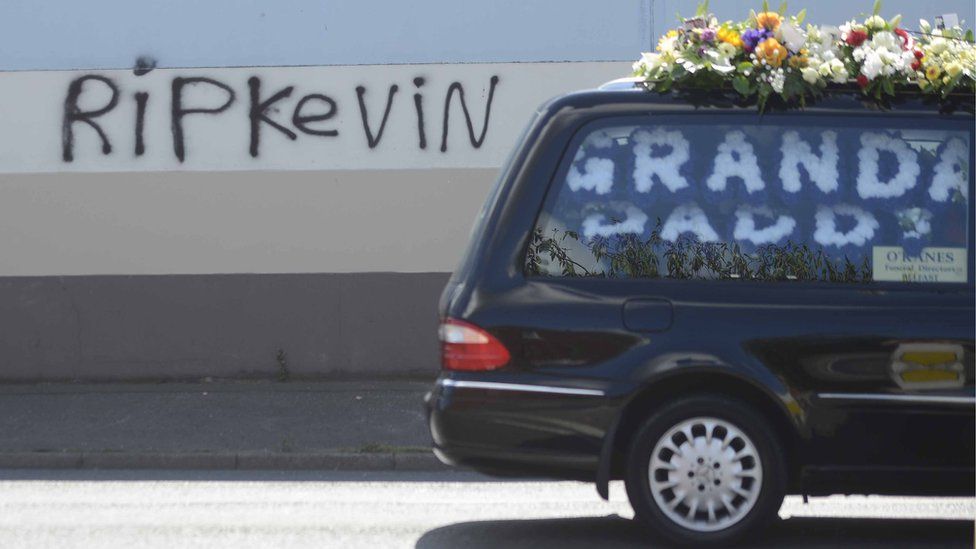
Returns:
point(891, 263)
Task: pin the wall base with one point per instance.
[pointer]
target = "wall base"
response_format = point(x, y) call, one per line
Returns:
point(222, 326)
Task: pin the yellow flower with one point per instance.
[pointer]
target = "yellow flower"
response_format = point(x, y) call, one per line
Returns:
point(798, 61)
point(771, 51)
point(953, 68)
point(769, 20)
point(932, 72)
point(729, 36)
point(667, 41)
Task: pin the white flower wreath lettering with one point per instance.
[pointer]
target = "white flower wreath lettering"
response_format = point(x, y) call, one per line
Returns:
point(745, 226)
point(664, 167)
point(827, 234)
point(915, 222)
point(597, 174)
point(736, 158)
point(688, 218)
point(821, 169)
point(868, 183)
point(950, 173)
point(634, 223)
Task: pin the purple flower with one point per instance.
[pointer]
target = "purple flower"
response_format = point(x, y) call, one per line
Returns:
point(708, 35)
point(752, 37)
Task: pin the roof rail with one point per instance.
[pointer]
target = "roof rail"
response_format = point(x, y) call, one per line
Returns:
point(621, 83)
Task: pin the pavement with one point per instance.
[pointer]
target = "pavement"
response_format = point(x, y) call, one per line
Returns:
point(334, 425)
point(424, 510)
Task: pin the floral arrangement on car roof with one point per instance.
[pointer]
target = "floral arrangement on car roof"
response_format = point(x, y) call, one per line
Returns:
point(773, 53)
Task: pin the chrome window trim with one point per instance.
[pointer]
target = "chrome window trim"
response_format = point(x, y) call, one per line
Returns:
point(520, 387)
point(919, 399)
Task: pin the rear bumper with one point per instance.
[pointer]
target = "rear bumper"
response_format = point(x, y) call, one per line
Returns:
point(518, 427)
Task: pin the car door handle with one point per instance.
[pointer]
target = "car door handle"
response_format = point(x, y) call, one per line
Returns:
point(648, 315)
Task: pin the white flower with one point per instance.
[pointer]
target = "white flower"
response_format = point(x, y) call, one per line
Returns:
point(868, 183)
point(746, 166)
point(634, 223)
point(597, 175)
point(872, 65)
point(792, 37)
point(945, 177)
point(886, 40)
point(745, 226)
point(688, 218)
point(690, 65)
point(777, 79)
point(810, 75)
point(839, 70)
point(665, 168)
point(846, 28)
point(719, 63)
point(937, 46)
point(653, 60)
point(826, 233)
point(915, 222)
point(875, 22)
point(726, 50)
point(813, 33)
point(821, 169)
point(667, 43)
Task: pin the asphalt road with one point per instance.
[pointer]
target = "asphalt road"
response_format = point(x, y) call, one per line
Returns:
point(168, 509)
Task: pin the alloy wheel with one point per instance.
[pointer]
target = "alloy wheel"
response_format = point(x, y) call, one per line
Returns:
point(705, 474)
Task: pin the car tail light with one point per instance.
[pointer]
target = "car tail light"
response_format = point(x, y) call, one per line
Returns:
point(467, 347)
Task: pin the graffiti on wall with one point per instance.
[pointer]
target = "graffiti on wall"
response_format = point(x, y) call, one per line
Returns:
point(277, 118)
point(309, 114)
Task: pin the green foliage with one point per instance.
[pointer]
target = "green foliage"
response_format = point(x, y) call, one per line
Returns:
point(630, 256)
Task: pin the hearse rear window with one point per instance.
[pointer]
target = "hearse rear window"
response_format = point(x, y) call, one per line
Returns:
point(760, 201)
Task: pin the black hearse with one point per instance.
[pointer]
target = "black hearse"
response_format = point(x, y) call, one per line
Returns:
point(720, 306)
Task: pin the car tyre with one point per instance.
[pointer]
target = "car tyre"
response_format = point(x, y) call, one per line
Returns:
point(711, 453)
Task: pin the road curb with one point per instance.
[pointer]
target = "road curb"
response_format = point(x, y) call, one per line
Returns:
point(295, 461)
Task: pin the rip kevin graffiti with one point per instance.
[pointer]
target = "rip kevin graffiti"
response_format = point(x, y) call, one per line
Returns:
point(90, 97)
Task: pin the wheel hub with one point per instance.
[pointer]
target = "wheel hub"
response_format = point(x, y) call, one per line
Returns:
point(705, 474)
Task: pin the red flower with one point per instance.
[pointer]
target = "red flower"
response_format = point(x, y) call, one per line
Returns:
point(856, 37)
point(916, 65)
point(862, 81)
point(907, 42)
point(919, 54)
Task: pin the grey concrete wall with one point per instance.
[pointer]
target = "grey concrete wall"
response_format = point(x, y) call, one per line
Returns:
point(190, 326)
